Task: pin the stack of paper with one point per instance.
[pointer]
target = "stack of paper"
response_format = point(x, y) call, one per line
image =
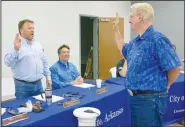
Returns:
point(84, 85)
point(3, 110)
point(54, 98)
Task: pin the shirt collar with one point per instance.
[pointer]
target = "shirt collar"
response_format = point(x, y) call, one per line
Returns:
point(26, 41)
point(146, 33)
point(63, 64)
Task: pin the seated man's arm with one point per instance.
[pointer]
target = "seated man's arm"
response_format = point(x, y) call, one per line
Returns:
point(124, 69)
point(58, 83)
point(78, 78)
point(76, 72)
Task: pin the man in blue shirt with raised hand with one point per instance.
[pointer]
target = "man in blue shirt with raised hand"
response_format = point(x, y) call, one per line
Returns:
point(28, 62)
point(152, 63)
point(63, 72)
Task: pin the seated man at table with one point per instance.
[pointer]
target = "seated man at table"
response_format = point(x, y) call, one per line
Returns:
point(121, 68)
point(63, 72)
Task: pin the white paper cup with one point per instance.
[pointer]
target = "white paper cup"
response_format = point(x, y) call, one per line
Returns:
point(98, 83)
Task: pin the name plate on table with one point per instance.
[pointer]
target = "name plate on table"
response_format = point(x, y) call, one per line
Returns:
point(71, 103)
point(14, 119)
point(102, 90)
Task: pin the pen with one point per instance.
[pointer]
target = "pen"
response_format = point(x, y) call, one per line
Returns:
point(42, 96)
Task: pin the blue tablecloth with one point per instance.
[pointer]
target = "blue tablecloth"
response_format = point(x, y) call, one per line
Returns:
point(114, 107)
point(175, 110)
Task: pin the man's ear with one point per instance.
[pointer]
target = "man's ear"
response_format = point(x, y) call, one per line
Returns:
point(141, 19)
point(21, 31)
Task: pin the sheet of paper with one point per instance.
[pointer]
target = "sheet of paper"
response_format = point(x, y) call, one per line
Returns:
point(3, 110)
point(54, 98)
point(181, 71)
point(84, 85)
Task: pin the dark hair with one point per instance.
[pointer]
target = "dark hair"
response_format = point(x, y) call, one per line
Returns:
point(21, 23)
point(63, 46)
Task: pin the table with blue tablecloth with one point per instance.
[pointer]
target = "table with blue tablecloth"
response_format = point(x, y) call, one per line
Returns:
point(113, 104)
point(175, 110)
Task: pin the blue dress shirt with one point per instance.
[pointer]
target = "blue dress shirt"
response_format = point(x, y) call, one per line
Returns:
point(63, 74)
point(28, 63)
point(149, 58)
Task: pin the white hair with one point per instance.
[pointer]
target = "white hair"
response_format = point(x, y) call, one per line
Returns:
point(143, 9)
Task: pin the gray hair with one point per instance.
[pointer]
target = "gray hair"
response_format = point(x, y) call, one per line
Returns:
point(143, 9)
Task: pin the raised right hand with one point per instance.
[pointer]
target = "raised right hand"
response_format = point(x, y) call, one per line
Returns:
point(115, 23)
point(17, 42)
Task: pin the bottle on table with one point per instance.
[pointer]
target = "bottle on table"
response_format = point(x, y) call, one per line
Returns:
point(48, 94)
